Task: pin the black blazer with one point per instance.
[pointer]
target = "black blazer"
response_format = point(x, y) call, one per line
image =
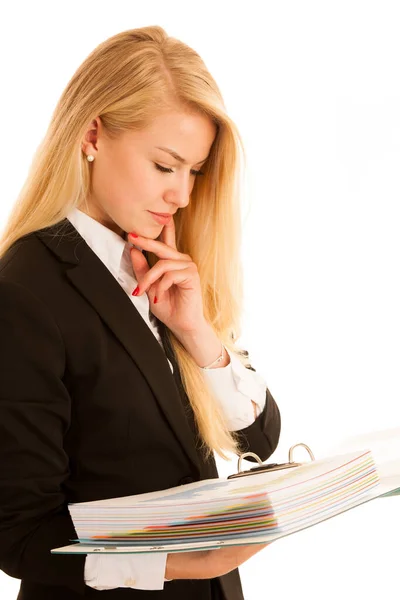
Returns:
point(89, 409)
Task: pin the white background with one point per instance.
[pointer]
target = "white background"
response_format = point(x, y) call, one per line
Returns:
point(314, 88)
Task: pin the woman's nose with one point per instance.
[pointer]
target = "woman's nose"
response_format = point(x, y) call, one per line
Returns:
point(182, 193)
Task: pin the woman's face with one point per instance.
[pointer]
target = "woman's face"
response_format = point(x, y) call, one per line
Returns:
point(126, 182)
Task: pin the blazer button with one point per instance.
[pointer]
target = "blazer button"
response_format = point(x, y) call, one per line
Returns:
point(187, 479)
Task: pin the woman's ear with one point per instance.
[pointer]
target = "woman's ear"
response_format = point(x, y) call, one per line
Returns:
point(90, 139)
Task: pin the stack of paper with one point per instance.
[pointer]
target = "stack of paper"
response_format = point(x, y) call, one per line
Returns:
point(214, 512)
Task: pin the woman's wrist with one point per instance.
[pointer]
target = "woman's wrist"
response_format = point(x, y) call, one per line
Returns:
point(187, 565)
point(204, 346)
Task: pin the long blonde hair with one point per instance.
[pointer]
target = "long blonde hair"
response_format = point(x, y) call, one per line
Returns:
point(126, 80)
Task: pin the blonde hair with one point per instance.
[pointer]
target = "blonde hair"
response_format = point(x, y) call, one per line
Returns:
point(125, 81)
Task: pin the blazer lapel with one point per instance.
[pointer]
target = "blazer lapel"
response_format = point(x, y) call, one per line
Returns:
point(94, 281)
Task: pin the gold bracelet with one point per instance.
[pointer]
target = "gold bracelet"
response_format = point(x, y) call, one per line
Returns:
point(218, 360)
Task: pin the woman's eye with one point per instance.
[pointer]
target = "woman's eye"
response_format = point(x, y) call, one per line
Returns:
point(165, 170)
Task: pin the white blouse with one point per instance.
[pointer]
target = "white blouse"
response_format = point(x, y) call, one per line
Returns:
point(234, 387)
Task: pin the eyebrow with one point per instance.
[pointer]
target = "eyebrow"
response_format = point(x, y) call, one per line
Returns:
point(177, 157)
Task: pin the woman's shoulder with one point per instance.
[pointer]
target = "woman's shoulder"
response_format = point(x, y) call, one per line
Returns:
point(27, 259)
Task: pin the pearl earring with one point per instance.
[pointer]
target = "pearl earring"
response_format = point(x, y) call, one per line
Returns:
point(90, 157)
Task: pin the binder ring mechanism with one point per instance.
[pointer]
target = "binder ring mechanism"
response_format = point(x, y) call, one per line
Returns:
point(269, 466)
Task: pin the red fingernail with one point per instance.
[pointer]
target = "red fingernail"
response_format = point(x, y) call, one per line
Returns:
point(155, 299)
point(134, 235)
point(135, 291)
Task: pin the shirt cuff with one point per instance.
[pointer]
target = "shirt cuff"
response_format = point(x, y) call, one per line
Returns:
point(235, 387)
point(140, 571)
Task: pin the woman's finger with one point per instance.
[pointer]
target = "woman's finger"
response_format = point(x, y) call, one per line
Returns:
point(159, 248)
point(168, 235)
point(171, 278)
point(139, 264)
point(159, 269)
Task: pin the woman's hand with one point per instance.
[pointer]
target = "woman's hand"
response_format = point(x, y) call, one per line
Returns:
point(172, 285)
point(206, 564)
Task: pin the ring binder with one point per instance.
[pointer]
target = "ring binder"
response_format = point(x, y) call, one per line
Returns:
point(269, 466)
point(231, 513)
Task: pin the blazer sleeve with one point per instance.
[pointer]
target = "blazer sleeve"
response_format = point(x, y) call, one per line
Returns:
point(35, 412)
point(262, 436)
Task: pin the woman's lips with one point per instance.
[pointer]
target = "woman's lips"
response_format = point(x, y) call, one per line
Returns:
point(161, 219)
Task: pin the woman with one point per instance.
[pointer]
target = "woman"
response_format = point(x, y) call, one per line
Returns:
point(119, 369)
